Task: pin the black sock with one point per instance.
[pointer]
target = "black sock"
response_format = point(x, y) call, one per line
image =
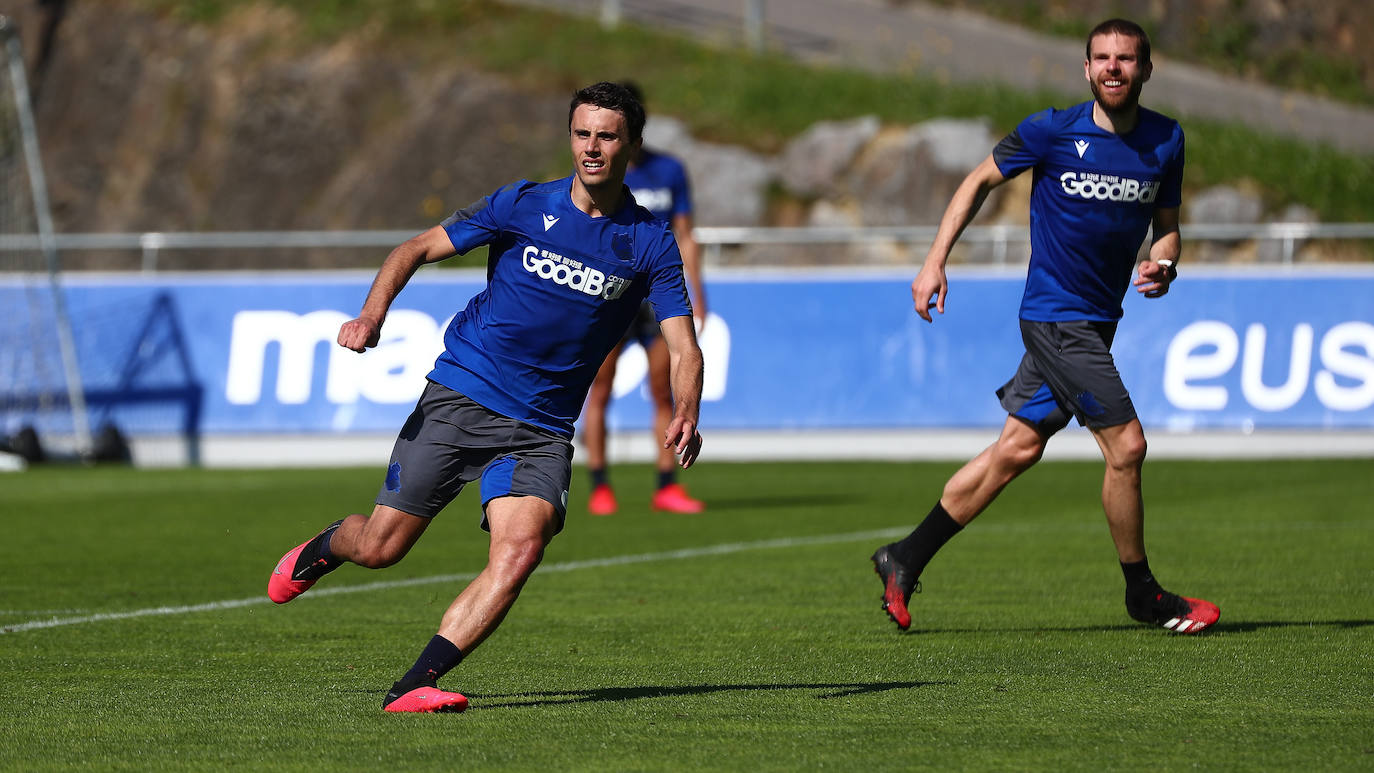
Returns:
point(666, 478)
point(599, 477)
point(315, 560)
point(1141, 585)
point(439, 657)
point(916, 550)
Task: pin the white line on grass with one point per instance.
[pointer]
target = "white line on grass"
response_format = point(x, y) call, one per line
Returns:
point(565, 566)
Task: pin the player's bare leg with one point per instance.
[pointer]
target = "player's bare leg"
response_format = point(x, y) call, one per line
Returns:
point(970, 490)
point(521, 527)
point(967, 493)
point(602, 500)
point(374, 541)
point(669, 496)
point(378, 540)
point(1123, 449)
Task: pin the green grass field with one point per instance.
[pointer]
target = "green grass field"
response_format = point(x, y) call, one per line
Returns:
point(748, 638)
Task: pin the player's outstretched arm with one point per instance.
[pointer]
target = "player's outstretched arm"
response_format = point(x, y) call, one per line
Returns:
point(1154, 276)
point(685, 363)
point(931, 283)
point(365, 330)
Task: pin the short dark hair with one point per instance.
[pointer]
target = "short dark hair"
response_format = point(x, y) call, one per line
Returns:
point(611, 96)
point(1125, 28)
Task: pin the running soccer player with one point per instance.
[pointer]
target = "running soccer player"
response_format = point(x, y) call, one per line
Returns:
point(659, 183)
point(570, 262)
point(1105, 172)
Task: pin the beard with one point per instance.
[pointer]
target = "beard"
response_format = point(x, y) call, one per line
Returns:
point(1125, 102)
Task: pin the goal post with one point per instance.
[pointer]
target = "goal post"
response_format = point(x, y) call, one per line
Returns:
point(41, 393)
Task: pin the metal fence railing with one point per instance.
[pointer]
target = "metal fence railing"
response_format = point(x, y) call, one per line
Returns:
point(998, 239)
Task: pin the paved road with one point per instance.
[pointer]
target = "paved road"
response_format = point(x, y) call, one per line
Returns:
point(961, 46)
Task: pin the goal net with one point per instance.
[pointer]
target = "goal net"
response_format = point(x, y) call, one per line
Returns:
point(42, 405)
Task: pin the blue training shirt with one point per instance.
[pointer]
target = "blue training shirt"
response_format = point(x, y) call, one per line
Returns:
point(659, 183)
point(562, 287)
point(1093, 196)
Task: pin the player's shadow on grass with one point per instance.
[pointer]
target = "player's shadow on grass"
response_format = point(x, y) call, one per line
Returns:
point(618, 694)
point(1221, 626)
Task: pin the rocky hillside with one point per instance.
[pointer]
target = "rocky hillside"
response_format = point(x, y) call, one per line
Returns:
point(149, 123)
point(1320, 46)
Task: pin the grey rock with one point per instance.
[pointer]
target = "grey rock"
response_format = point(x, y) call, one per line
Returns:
point(811, 164)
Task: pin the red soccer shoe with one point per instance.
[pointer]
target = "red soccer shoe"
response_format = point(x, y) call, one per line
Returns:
point(427, 698)
point(673, 498)
point(280, 587)
point(602, 501)
point(1176, 613)
point(1200, 615)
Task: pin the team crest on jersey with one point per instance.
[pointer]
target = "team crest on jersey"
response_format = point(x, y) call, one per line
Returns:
point(573, 274)
point(623, 246)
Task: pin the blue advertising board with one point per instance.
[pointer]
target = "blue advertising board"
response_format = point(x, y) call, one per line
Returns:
point(254, 354)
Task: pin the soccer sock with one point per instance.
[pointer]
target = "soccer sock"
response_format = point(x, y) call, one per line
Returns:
point(666, 478)
point(1141, 585)
point(599, 477)
point(315, 560)
point(916, 550)
point(438, 658)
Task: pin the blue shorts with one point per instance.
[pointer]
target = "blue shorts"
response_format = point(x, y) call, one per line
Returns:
point(450, 440)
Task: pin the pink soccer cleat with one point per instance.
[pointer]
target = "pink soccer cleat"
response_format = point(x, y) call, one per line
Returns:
point(425, 698)
point(290, 580)
point(602, 501)
point(673, 498)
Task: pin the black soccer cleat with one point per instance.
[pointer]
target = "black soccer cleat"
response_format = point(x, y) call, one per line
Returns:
point(1176, 613)
point(898, 585)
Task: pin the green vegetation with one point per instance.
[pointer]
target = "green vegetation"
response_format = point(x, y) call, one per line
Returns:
point(761, 102)
point(731, 650)
point(1230, 40)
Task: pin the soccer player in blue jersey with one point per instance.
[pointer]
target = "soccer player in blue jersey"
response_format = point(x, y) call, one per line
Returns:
point(659, 184)
point(570, 262)
point(1105, 172)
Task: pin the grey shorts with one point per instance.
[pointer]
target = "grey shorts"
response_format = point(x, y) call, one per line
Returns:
point(1068, 371)
point(450, 440)
point(644, 328)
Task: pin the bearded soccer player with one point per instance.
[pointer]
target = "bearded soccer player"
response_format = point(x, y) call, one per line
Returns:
point(1105, 172)
point(570, 262)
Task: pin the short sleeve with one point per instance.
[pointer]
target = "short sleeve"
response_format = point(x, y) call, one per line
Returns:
point(481, 222)
point(667, 285)
point(1025, 146)
point(1171, 187)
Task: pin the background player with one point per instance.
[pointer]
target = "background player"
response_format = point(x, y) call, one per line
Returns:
point(659, 184)
point(570, 263)
point(1106, 171)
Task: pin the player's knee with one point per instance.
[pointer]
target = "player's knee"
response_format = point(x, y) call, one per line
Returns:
point(1020, 454)
point(518, 558)
point(1131, 453)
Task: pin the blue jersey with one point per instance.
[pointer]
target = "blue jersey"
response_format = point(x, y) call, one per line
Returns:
point(659, 183)
point(1092, 200)
point(562, 287)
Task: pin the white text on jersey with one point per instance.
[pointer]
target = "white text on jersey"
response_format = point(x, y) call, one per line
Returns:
point(1108, 187)
point(572, 274)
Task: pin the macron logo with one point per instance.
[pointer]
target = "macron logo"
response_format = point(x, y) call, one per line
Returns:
point(549, 220)
point(1081, 145)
